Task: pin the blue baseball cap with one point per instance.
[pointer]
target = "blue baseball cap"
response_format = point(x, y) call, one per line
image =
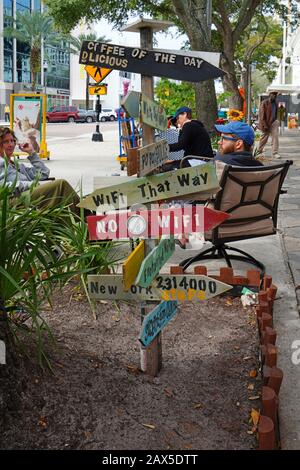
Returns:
point(238, 128)
point(183, 109)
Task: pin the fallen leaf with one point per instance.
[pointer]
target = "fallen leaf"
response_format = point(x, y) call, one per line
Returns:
point(250, 387)
point(115, 318)
point(210, 336)
point(237, 403)
point(198, 405)
point(254, 398)
point(103, 302)
point(255, 416)
point(133, 369)
point(229, 302)
point(237, 348)
point(246, 358)
point(253, 373)
point(150, 426)
point(42, 422)
point(168, 392)
point(250, 432)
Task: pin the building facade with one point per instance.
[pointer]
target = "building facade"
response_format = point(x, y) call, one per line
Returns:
point(15, 76)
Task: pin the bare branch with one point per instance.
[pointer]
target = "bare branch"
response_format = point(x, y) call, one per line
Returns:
point(245, 16)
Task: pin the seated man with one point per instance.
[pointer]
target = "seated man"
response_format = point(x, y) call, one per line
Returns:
point(49, 194)
point(235, 145)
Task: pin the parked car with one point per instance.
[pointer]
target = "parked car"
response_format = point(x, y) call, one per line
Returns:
point(107, 114)
point(62, 114)
point(86, 115)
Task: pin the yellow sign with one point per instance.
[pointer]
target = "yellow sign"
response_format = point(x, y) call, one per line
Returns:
point(97, 73)
point(132, 265)
point(98, 89)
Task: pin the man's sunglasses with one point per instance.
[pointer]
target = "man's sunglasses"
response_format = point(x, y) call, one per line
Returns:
point(224, 137)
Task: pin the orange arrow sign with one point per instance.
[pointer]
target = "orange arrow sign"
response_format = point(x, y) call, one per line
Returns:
point(97, 73)
point(98, 89)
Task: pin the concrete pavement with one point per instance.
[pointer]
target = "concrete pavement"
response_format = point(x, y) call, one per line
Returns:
point(77, 159)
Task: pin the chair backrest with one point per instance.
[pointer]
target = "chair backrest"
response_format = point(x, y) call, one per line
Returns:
point(250, 195)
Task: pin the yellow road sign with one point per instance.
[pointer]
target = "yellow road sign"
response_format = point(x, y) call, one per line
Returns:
point(132, 265)
point(98, 89)
point(97, 73)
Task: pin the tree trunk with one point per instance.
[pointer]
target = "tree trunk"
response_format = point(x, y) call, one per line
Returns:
point(87, 95)
point(193, 18)
point(206, 103)
point(230, 82)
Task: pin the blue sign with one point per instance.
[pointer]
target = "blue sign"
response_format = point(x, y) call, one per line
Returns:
point(156, 320)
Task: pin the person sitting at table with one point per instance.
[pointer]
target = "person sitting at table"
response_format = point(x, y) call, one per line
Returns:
point(235, 144)
point(48, 194)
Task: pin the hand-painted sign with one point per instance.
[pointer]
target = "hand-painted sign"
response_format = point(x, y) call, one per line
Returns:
point(156, 320)
point(132, 265)
point(97, 73)
point(188, 67)
point(154, 261)
point(180, 287)
point(131, 104)
point(154, 223)
point(100, 89)
point(175, 183)
point(152, 156)
point(153, 114)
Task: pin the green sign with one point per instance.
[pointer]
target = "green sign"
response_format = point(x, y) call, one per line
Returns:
point(154, 261)
point(131, 104)
point(153, 114)
point(201, 178)
point(156, 320)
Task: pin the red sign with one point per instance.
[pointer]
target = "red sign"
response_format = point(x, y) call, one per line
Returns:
point(154, 223)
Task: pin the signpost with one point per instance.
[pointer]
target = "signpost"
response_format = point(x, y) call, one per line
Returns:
point(188, 66)
point(146, 60)
point(122, 225)
point(155, 188)
point(180, 287)
point(98, 89)
point(132, 265)
point(154, 261)
point(156, 320)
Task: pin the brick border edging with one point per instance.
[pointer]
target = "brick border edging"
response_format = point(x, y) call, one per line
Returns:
point(268, 426)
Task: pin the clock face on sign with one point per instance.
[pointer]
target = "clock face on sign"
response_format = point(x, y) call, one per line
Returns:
point(136, 225)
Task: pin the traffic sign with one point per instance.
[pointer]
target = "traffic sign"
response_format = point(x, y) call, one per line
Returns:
point(180, 66)
point(201, 178)
point(132, 265)
point(154, 261)
point(181, 287)
point(98, 89)
point(97, 73)
point(154, 223)
point(156, 320)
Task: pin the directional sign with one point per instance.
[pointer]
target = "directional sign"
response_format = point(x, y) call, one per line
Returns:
point(152, 156)
point(156, 320)
point(180, 287)
point(154, 223)
point(153, 114)
point(132, 265)
point(98, 89)
point(154, 261)
point(131, 104)
point(201, 178)
point(97, 73)
point(187, 67)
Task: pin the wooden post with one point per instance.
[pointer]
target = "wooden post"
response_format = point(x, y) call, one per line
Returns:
point(151, 357)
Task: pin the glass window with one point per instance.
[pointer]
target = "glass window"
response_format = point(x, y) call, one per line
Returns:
point(23, 5)
point(37, 4)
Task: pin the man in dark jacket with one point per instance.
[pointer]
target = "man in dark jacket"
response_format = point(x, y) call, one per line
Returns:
point(235, 144)
point(269, 124)
point(193, 137)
